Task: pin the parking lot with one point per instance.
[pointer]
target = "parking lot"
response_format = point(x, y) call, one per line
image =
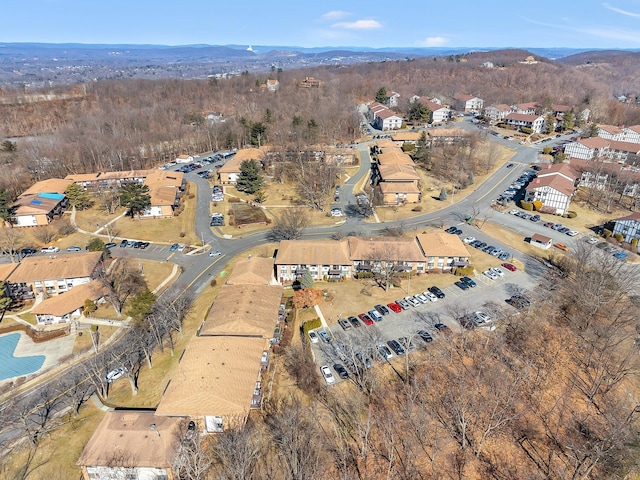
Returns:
point(488, 296)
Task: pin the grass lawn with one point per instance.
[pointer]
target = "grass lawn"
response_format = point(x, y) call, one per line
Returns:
point(516, 240)
point(56, 454)
point(245, 214)
point(95, 217)
point(164, 230)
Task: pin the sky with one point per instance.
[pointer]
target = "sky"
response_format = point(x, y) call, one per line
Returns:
point(372, 23)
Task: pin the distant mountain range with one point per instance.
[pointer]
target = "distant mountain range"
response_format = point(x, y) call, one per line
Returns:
point(38, 64)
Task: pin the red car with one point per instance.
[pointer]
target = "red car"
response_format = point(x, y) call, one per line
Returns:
point(366, 319)
point(510, 266)
point(395, 307)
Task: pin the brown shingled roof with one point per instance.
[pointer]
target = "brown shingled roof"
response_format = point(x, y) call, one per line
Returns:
point(134, 439)
point(163, 186)
point(73, 265)
point(398, 187)
point(557, 182)
point(70, 301)
point(52, 185)
point(402, 248)
point(244, 310)
point(442, 245)
point(216, 376)
point(252, 271)
point(313, 252)
point(398, 172)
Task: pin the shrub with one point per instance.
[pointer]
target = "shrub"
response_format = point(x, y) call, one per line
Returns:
point(526, 130)
point(526, 205)
point(233, 200)
point(463, 271)
point(607, 233)
point(537, 205)
point(183, 234)
point(64, 227)
point(213, 282)
point(311, 325)
point(417, 208)
point(571, 214)
point(619, 237)
point(634, 244)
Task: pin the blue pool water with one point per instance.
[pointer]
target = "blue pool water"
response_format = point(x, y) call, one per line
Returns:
point(11, 366)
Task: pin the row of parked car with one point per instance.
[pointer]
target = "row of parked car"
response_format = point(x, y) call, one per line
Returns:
point(133, 244)
point(217, 220)
point(490, 249)
point(217, 194)
point(535, 218)
point(516, 187)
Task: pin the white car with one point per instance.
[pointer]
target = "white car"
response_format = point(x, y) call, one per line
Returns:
point(490, 274)
point(114, 375)
point(215, 253)
point(431, 296)
point(336, 212)
point(514, 212)
point(51, 249)
point(497, 271)
point(412, 301)
point(313, 336)
point(469, 239)
point(592, 240)
point(327, 375)
point(572, 233)
point(422, 298)
point(181, 247)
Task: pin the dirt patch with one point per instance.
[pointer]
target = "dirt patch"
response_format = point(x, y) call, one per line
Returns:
point(245, 214)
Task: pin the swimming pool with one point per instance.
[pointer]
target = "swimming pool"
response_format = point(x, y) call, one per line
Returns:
point(11, 366)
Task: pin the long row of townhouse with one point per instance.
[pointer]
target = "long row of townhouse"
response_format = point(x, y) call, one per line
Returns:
point(41, 203)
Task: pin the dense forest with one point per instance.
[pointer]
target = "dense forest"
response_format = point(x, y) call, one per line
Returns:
point(121, 124)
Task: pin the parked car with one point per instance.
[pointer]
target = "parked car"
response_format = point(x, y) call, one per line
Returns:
point(375, 315)
point(421, 298)
point(396, 347)
point(431, 296)
point(344, 323)
point(510, 266)
point(74, 248)
point(395, 307)
point(109, 245)
point(115, 374)
point(327, 375)
point(181, 247)
point(468, 281)
point(382, 309)
point(561, 246)
point(442, 328)
point(172, 248)
point(27, 251)
point(354, 321)
point(384, 351)
point(497, 271)
point(468, 239)
point(461, 285)
point(366, 319)
point(123, 243)
point(336, 212)
point(363, 360)
point(490, 274)
point(425, 336)
point(404, 304)
point(414, 302)
point(437, 292)
point(324, 335)
point(51, 249)
point(313, 336)
point(341, 371)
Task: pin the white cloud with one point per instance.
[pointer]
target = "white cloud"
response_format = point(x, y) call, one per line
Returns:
point(358, 25)
point(434, 41)
point(335, 15)
point(620, 11)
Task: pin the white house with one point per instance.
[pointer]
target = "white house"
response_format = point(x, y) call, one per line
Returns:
point(628, 227)
point(541, 241)
point(587, 148)
point(184, 159)
point(65, 307)
point(553, 187)
point(467, 103)
point(632, 134)
point(529, 108)
point(518, 120)
point(392, 99)
point(610, 132)
point(387, 120)
point(497, 112)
